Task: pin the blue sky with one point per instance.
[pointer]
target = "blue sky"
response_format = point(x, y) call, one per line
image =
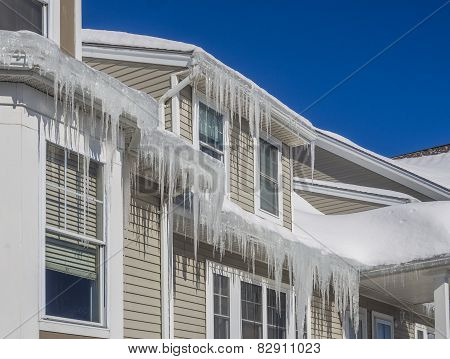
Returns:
point(298, 50)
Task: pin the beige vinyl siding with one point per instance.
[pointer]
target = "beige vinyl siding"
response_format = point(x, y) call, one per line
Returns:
point(67, 26)
point(325, 321)
point(189, 291)
point(186, 113)
point(330, 167)
point(149, 78)
point(336, 205)
point(242, 165)
point(142, 271)
point(404, 324)
point(286, 186)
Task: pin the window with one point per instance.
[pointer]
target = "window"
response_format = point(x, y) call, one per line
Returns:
point(74, 237)
point(268, 177)
point(382, 326)
point(211, 132)
point(221, 307)
point(18, 15)
point(276, 315)
point(423, 332)
point(251, 311)
point(349, 330)
point(243, 305)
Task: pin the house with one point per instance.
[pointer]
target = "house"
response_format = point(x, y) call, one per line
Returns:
point(150, 191)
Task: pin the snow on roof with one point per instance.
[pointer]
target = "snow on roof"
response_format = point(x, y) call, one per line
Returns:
point(118, 38)
point(142, 41)
point(390, 235)
point(435, 168)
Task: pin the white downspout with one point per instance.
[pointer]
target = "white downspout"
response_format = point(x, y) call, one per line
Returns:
point(441, 306)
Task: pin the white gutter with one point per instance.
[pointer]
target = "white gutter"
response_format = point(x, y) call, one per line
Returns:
point(354, 192)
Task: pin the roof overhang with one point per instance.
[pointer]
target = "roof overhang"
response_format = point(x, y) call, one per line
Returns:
point(409, 283)
point(382, 167)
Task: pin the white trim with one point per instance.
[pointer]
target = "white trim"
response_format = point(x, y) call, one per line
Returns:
point(277, 219)
point(175, 103)
point(382, 167)
point(384, 319)
point(73, 329)
point(131, 54)
point(354, 192)
point(236, 277)
point(362, 317)
point(77, 30)
point(53, 20)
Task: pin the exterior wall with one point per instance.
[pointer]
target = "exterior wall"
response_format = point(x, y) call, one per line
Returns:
point(325, 321)
point(189, 291)
point(336, 205)
point(24, 111)
point(67, 23)
point(330, 167)
point(186, 114)
point(142, 271)
point(404, 328)
point(53, 335)
point(151, 79)
point(241, 172)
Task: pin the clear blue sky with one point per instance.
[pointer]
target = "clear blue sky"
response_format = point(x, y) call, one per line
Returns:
point(298, 50)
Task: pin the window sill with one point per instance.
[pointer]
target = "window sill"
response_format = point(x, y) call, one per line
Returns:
point(73, 329)
point(270, 217)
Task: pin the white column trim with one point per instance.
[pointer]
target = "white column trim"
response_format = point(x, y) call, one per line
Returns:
point(441, 306)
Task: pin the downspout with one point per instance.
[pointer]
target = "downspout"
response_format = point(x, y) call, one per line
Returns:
point(166, 223)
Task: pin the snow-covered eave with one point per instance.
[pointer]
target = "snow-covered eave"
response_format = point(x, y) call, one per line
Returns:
point(439, 261)
point(146, 49)
point(380, 165)
point(361, 193)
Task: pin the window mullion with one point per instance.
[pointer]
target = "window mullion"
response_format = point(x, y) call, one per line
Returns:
point(264, 310)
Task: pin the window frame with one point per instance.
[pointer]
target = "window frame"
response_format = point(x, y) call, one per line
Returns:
point(198, 97)
point(346, 327)
point(277, 219)
point(384, 319)
point(236, 276)
point(425, 329)
point(55, 321)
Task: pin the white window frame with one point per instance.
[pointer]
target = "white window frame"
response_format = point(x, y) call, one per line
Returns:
point(362, 316)
point(425, 329)
point(384, 319)
point(60, 324)
point(196, 99)
point(236, 276)
point(277, 219)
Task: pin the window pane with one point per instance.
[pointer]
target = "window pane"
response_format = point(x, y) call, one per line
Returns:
point(276, 315)
point(269, 195)
point(268, 160)
point(383, 331)
point(18, 15)
point(210, 131)
point(72, 277)
point(221, 307)
point(420, 334)
point(251, 311)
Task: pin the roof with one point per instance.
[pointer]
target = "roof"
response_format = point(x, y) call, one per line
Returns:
point(386, 236)
point(425, 152)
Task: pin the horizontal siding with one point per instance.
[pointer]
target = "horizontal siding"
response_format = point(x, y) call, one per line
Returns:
point(286, 186)
point(336, 205)
point(325, 320)
point(189, 291)
point(149, 78)
point(186, 113)
point(330, 167)
point(142, 272)
point(241, 170)
point(54, 335)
